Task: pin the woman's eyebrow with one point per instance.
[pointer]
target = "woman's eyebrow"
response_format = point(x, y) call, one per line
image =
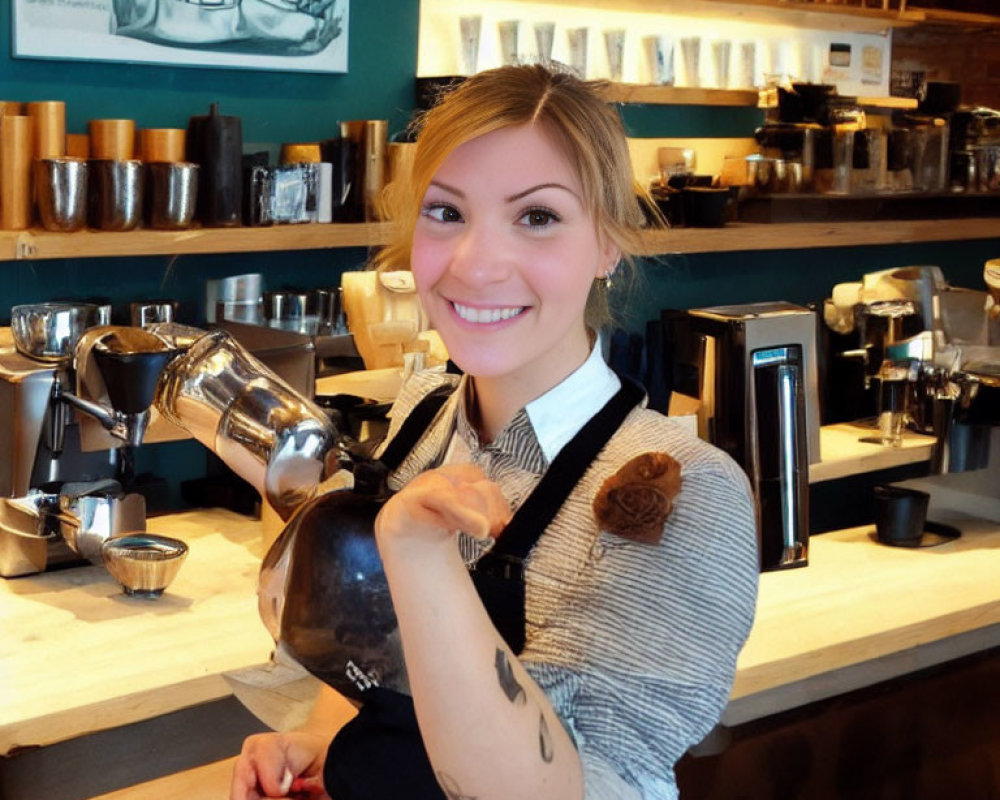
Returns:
point(447, 188)
point(514, 197)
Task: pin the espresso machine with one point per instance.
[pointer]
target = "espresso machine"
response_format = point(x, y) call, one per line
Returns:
point(753, 370)
point(53, 488)
point(949, 369)
point(75, 397)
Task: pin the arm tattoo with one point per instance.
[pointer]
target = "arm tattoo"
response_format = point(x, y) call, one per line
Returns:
point(505, 674)
point(545, 740)
point(450, 788)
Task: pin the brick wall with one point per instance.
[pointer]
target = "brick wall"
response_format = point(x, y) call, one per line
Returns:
point(953, 54)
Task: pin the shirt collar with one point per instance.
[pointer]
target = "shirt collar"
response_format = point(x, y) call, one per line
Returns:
point(558, 415)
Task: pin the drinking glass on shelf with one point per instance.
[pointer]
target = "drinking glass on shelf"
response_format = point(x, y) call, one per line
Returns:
point(747, 77)
point(721, 52)
point(544, 36)
point(508, 30)
point(578, 50)
point(614, 45)
point(660, 57)
point(470, 27)
point(691, 54)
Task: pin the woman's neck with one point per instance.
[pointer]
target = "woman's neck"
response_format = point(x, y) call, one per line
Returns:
point(493, 401)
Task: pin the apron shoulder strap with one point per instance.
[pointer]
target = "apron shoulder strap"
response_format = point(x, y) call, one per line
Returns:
point(414, 426)
point(370, 474)
point(565, 471)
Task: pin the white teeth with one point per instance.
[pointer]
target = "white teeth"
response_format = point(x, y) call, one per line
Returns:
point(486, 315)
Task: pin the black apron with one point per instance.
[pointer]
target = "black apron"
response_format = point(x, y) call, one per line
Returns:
point(379, 755)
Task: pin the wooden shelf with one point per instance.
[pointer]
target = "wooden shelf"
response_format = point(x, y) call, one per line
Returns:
point(679, 95)
point(798, 13)
point(740, 236)
point(653, 94)
point(780, 12)
point(944, 17)
point(37, 244)
point(843, 453)
point(829, 16)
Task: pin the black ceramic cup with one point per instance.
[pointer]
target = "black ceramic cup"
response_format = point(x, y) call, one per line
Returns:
point(705, 206)
point(900, 514)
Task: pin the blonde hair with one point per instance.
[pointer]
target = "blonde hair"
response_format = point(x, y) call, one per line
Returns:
point(572, 111)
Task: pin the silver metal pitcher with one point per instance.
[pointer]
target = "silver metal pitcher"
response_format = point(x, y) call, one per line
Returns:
point(270, 435)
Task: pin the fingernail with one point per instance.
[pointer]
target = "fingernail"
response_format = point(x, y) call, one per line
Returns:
point(286, 781)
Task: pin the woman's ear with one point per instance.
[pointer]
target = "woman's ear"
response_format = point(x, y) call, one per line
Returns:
point(611, 254)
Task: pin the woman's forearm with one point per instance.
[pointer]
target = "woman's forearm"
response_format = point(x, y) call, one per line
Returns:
point(489, 730)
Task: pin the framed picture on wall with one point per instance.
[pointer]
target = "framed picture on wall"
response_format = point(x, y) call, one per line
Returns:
point(300, 35)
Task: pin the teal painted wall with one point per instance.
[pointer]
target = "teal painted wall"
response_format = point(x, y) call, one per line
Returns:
point(274, 107)
point(277, 107)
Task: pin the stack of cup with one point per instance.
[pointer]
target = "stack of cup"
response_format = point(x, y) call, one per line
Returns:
point(60, 178)
point(115, 176)
point(16, 151)
point(171, 181)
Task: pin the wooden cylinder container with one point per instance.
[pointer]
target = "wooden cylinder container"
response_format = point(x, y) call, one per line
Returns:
point(49, 128)
point(300, 153)
point(162, 144)
point(112, 139)
point(16, 147)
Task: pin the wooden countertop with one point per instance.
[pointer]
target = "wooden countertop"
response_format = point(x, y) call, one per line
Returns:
point(77, 655)
point(861, 612)
point(844, 452)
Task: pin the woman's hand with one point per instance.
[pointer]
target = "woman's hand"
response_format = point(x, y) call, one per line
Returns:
point(279, 765)
point(431, 507)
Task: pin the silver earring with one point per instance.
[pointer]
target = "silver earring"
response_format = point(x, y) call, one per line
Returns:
point(607, 278)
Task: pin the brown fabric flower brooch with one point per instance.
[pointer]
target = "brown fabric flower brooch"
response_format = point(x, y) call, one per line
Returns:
point(635, 501)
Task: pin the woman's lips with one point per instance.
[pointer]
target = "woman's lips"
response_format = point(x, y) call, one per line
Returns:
point(486, 316)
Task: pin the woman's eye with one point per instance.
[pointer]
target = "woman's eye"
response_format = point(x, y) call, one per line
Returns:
point(442, 212)
point(539, 217)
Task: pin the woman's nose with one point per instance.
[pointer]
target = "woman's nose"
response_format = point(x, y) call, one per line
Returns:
point(480, 256)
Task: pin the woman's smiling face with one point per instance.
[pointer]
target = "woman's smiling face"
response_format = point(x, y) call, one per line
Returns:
point(504, 256)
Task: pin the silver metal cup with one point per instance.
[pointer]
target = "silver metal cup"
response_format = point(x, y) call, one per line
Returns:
point(171, 193)
point(115, 190)
point(152, 312)
point(61, 193)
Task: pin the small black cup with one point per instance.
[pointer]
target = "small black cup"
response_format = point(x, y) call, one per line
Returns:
point(705, 206)
point(900, 514)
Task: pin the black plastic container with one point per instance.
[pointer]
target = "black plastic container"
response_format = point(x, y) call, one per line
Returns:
point(343, 154)
point(215, 143)
point(900, 514)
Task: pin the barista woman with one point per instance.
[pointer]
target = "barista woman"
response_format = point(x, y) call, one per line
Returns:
point(596, 641)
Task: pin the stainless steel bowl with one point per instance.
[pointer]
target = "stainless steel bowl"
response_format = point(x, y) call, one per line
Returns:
point(49, 331)
point(144, 563)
